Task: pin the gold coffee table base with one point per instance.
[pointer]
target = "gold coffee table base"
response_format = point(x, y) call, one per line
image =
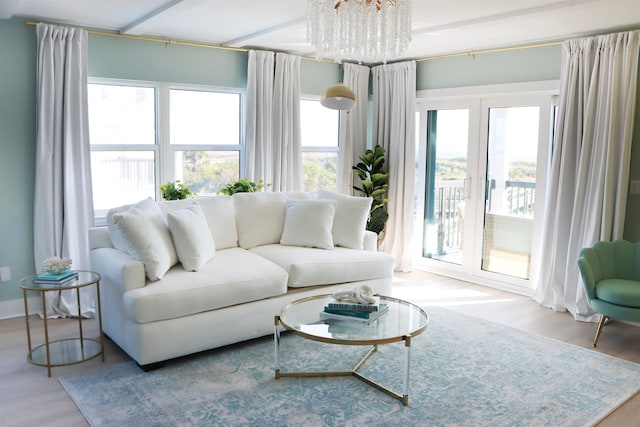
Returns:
point(353, 373)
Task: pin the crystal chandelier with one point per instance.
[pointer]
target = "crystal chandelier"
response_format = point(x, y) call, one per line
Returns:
point(367, 31)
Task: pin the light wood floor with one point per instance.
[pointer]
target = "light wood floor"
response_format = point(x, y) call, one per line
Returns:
point(29, 398)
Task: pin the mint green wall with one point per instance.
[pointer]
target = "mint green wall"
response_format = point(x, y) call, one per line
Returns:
point(316, 76)
point(131, 59)
point(17, 151)
point(512, 66)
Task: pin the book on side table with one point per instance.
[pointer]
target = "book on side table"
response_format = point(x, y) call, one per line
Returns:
point(56, 279)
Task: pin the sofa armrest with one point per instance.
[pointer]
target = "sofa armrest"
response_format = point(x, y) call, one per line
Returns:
point(370, 241)
point(118, 268)
point(99, 238)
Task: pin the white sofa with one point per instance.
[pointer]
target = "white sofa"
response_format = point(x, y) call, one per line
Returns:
point(191, 275)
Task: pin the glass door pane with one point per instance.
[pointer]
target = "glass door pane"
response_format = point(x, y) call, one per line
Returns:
point(446, 174)
point(510, 190)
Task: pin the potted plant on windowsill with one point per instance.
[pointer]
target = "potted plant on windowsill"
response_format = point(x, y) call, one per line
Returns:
point(374, 183)
point(175, 191)
point(243, 185)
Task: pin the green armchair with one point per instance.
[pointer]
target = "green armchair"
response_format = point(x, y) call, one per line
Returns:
point(611, 276)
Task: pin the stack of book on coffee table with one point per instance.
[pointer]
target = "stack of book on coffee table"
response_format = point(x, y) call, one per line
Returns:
point(354, 312)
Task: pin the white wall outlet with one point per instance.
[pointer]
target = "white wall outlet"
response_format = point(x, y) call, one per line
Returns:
point(5, 274)
point(635, 187)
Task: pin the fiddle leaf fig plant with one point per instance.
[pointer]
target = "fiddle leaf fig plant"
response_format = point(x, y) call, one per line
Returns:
point(374, 183)
point(243, 185)
point(175, 191)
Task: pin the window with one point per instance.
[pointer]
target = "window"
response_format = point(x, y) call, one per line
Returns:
point(123, 133)
point(319, 133)
point(205, 138)
point(144, 134)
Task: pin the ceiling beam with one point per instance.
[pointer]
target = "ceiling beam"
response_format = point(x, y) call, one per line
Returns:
point(140, 25)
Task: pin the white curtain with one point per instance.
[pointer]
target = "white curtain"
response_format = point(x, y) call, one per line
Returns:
point(259, 113)
point(586, 201)
point(287, 145)
point(274, 151)
point(63, 205)
point(353, 125)
point(394, 110)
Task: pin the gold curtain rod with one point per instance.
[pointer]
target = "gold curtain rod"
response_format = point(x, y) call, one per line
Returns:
point(473, 53)
point(167, 42)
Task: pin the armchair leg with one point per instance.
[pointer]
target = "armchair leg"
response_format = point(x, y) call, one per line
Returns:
point(603, 318)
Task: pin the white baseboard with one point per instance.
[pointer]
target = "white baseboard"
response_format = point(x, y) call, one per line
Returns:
point(15, 307)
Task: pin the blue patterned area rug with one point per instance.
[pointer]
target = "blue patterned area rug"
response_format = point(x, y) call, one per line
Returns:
point(465, 372)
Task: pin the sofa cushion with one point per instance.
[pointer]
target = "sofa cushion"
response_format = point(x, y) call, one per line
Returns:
point(193, 242)
point(144, 229)
point(308, 223)
point(233, 276)
point(259, 218)
point(350, 220)
point(312, 266)
point(221, 217)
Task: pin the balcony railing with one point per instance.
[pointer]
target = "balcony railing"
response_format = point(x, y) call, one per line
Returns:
point(518, 199)
point(521, 196)
point(448, 212)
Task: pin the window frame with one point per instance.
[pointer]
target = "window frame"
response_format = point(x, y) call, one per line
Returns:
point(164, 151)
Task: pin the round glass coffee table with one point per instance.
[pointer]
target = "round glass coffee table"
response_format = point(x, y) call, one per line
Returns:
point(401, 322)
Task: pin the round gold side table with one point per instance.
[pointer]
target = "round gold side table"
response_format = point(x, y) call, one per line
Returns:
point(68, 351)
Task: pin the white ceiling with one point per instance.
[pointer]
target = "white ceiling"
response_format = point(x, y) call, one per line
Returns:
point(438, 26)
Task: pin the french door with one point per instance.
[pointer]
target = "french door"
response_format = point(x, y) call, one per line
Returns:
point(481, 172)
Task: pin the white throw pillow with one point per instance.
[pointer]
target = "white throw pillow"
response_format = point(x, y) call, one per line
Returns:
point(191, 236)
point(117, 240)
point(350, 221)
point(146, 233)
point(259, 218)
point(308, 223)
